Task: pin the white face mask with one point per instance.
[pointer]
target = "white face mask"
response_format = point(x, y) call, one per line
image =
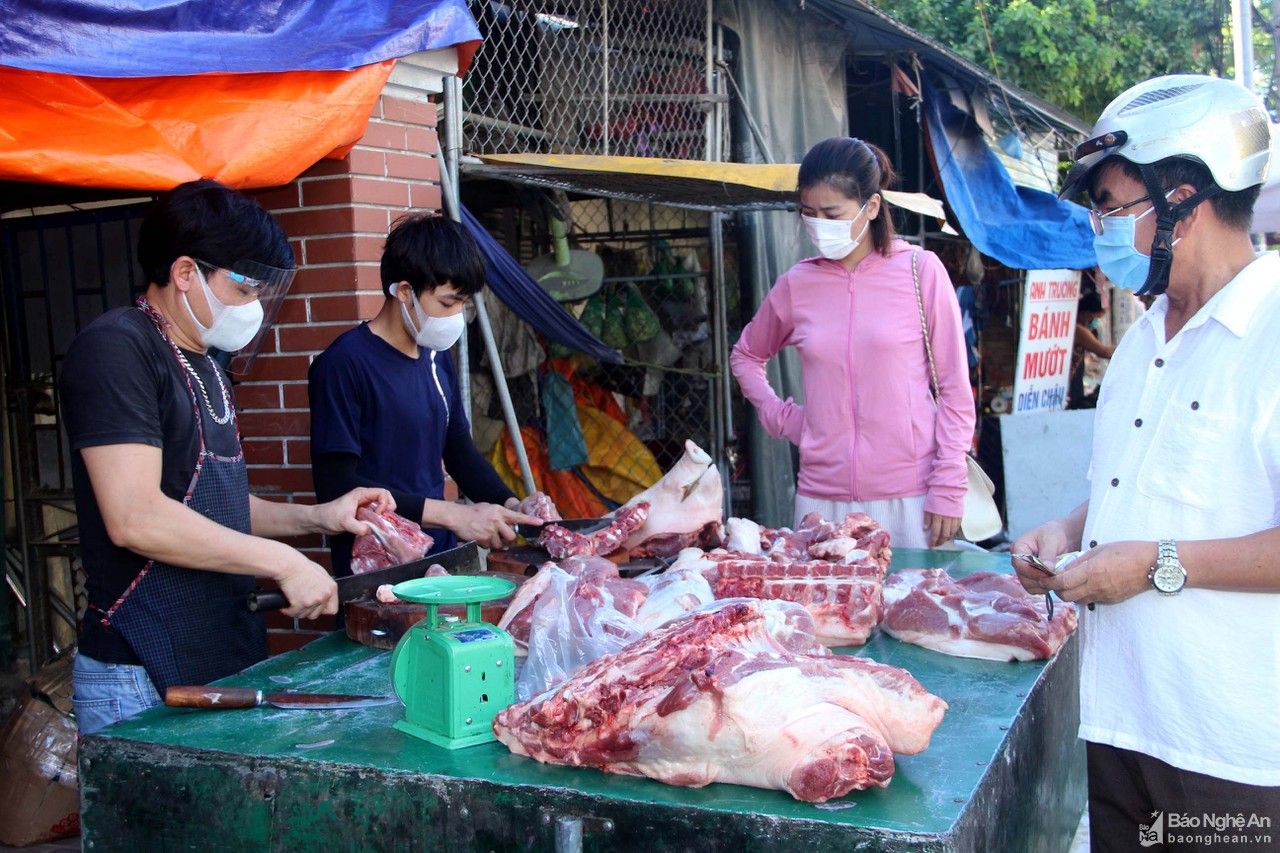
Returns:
point(435, 333)
point(832, 236)
point(233, 326)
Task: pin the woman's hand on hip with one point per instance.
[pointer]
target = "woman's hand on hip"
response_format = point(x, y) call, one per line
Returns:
point(940, 529)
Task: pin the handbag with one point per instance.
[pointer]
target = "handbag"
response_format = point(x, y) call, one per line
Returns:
point(981, 519)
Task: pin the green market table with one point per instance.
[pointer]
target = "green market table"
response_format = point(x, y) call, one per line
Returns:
point(1004, 772)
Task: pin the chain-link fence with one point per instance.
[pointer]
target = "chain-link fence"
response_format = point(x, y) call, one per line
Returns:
point(658, 307)
point(615, 77)
point(624, 77)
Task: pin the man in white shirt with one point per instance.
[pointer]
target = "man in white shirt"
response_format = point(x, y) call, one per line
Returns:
point(1180, 646)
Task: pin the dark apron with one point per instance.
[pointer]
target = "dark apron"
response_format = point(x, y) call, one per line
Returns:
point(189, 626)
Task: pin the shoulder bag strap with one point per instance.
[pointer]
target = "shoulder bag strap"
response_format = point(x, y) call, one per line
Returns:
point(924, 326)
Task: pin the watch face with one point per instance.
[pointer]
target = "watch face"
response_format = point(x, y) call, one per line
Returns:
point(1168, 578)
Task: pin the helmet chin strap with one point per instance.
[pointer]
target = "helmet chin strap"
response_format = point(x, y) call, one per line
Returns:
point(1167, 217)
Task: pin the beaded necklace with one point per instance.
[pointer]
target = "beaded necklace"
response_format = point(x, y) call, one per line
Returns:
point(228, 412)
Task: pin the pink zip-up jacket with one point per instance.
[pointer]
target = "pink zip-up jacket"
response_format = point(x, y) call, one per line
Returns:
point(869, 428)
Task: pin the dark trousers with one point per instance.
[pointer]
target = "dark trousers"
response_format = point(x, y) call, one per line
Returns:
point(1130, 790)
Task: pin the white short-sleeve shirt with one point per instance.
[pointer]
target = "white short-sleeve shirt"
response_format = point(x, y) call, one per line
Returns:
point(1186, 447)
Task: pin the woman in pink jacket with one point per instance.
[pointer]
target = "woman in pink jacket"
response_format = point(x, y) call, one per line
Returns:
point(871, 437)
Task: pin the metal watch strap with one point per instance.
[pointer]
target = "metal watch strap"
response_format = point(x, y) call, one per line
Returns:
point(1167, 555)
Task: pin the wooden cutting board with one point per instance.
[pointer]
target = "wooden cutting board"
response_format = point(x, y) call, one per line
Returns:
point(380, 625)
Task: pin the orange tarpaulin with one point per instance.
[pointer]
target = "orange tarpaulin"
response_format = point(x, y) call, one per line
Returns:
point(152, 133)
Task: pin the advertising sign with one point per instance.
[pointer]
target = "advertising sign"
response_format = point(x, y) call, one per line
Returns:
point(1044, 345)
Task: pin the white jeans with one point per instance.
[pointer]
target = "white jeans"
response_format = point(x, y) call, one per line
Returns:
point(902, 517)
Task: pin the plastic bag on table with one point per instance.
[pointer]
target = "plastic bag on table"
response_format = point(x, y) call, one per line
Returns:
point(394, 541)
point(671, 594)
point(575, 621)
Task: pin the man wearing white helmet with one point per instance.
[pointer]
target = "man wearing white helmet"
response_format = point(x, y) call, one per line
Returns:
point(1180, 645)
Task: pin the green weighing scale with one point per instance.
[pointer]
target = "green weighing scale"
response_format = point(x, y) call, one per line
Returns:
point(453, 674)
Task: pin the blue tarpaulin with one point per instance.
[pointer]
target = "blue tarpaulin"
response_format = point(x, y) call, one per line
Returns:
point(531, 303)
point(151, 38)
point(1020, 227)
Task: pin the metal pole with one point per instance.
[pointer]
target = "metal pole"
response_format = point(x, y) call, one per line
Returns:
point(604, 40)
point(709, 61)
point(453, 204)
point(725, 419)
point(1242, 41)
point(451, 145)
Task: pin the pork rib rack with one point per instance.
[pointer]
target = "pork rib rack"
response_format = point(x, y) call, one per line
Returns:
point(738, 692)
point(835, 570)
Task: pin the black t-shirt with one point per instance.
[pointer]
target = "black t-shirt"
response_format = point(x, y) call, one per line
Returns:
point(122, 384)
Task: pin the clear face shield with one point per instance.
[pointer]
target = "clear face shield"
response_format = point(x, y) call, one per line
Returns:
point(269, 285)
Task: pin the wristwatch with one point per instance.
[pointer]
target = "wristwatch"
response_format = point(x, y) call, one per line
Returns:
point(1167, 576)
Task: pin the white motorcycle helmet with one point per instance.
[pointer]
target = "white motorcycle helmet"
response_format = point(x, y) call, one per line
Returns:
point(1213, 121)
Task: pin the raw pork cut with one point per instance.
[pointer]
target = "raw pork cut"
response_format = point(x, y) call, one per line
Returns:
point(405, 542)
point(742, 535)
point(739, 692)
point(386, 596)
point(686, 507)
point(561, 542)
point(540, 506)
point(666, 545)
point(985, 615)
point(821, 539)
point(600, 587)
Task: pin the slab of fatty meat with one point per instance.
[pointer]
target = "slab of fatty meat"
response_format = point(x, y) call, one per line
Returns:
point(741, 692)
point(985, 615)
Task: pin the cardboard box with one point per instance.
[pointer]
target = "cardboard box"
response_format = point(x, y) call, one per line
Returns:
point(39, 785)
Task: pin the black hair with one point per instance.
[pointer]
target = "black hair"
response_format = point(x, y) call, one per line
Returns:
point(1235, 209)
point(1090, 302)
point(428, 250)
point(857, 170)
point(209, 222)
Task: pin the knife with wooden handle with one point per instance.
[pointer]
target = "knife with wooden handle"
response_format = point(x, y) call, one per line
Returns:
point(209, 696)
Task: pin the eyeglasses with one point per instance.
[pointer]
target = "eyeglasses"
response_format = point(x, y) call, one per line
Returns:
point(245, 285)
point(1096, 216)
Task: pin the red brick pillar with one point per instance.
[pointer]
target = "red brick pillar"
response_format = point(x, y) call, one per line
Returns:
point(337, 215)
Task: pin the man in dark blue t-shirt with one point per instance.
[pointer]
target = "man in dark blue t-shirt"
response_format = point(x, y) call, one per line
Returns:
point(386, 408)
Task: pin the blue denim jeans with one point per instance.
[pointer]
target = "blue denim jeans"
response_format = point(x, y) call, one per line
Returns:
point(106, 693)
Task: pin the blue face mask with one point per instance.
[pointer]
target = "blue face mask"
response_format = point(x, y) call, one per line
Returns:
point(1117, 255)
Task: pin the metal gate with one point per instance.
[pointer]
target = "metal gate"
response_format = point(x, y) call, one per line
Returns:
point(58, 272)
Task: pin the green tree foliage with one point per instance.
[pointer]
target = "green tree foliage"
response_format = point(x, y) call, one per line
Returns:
point(1079, 54)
